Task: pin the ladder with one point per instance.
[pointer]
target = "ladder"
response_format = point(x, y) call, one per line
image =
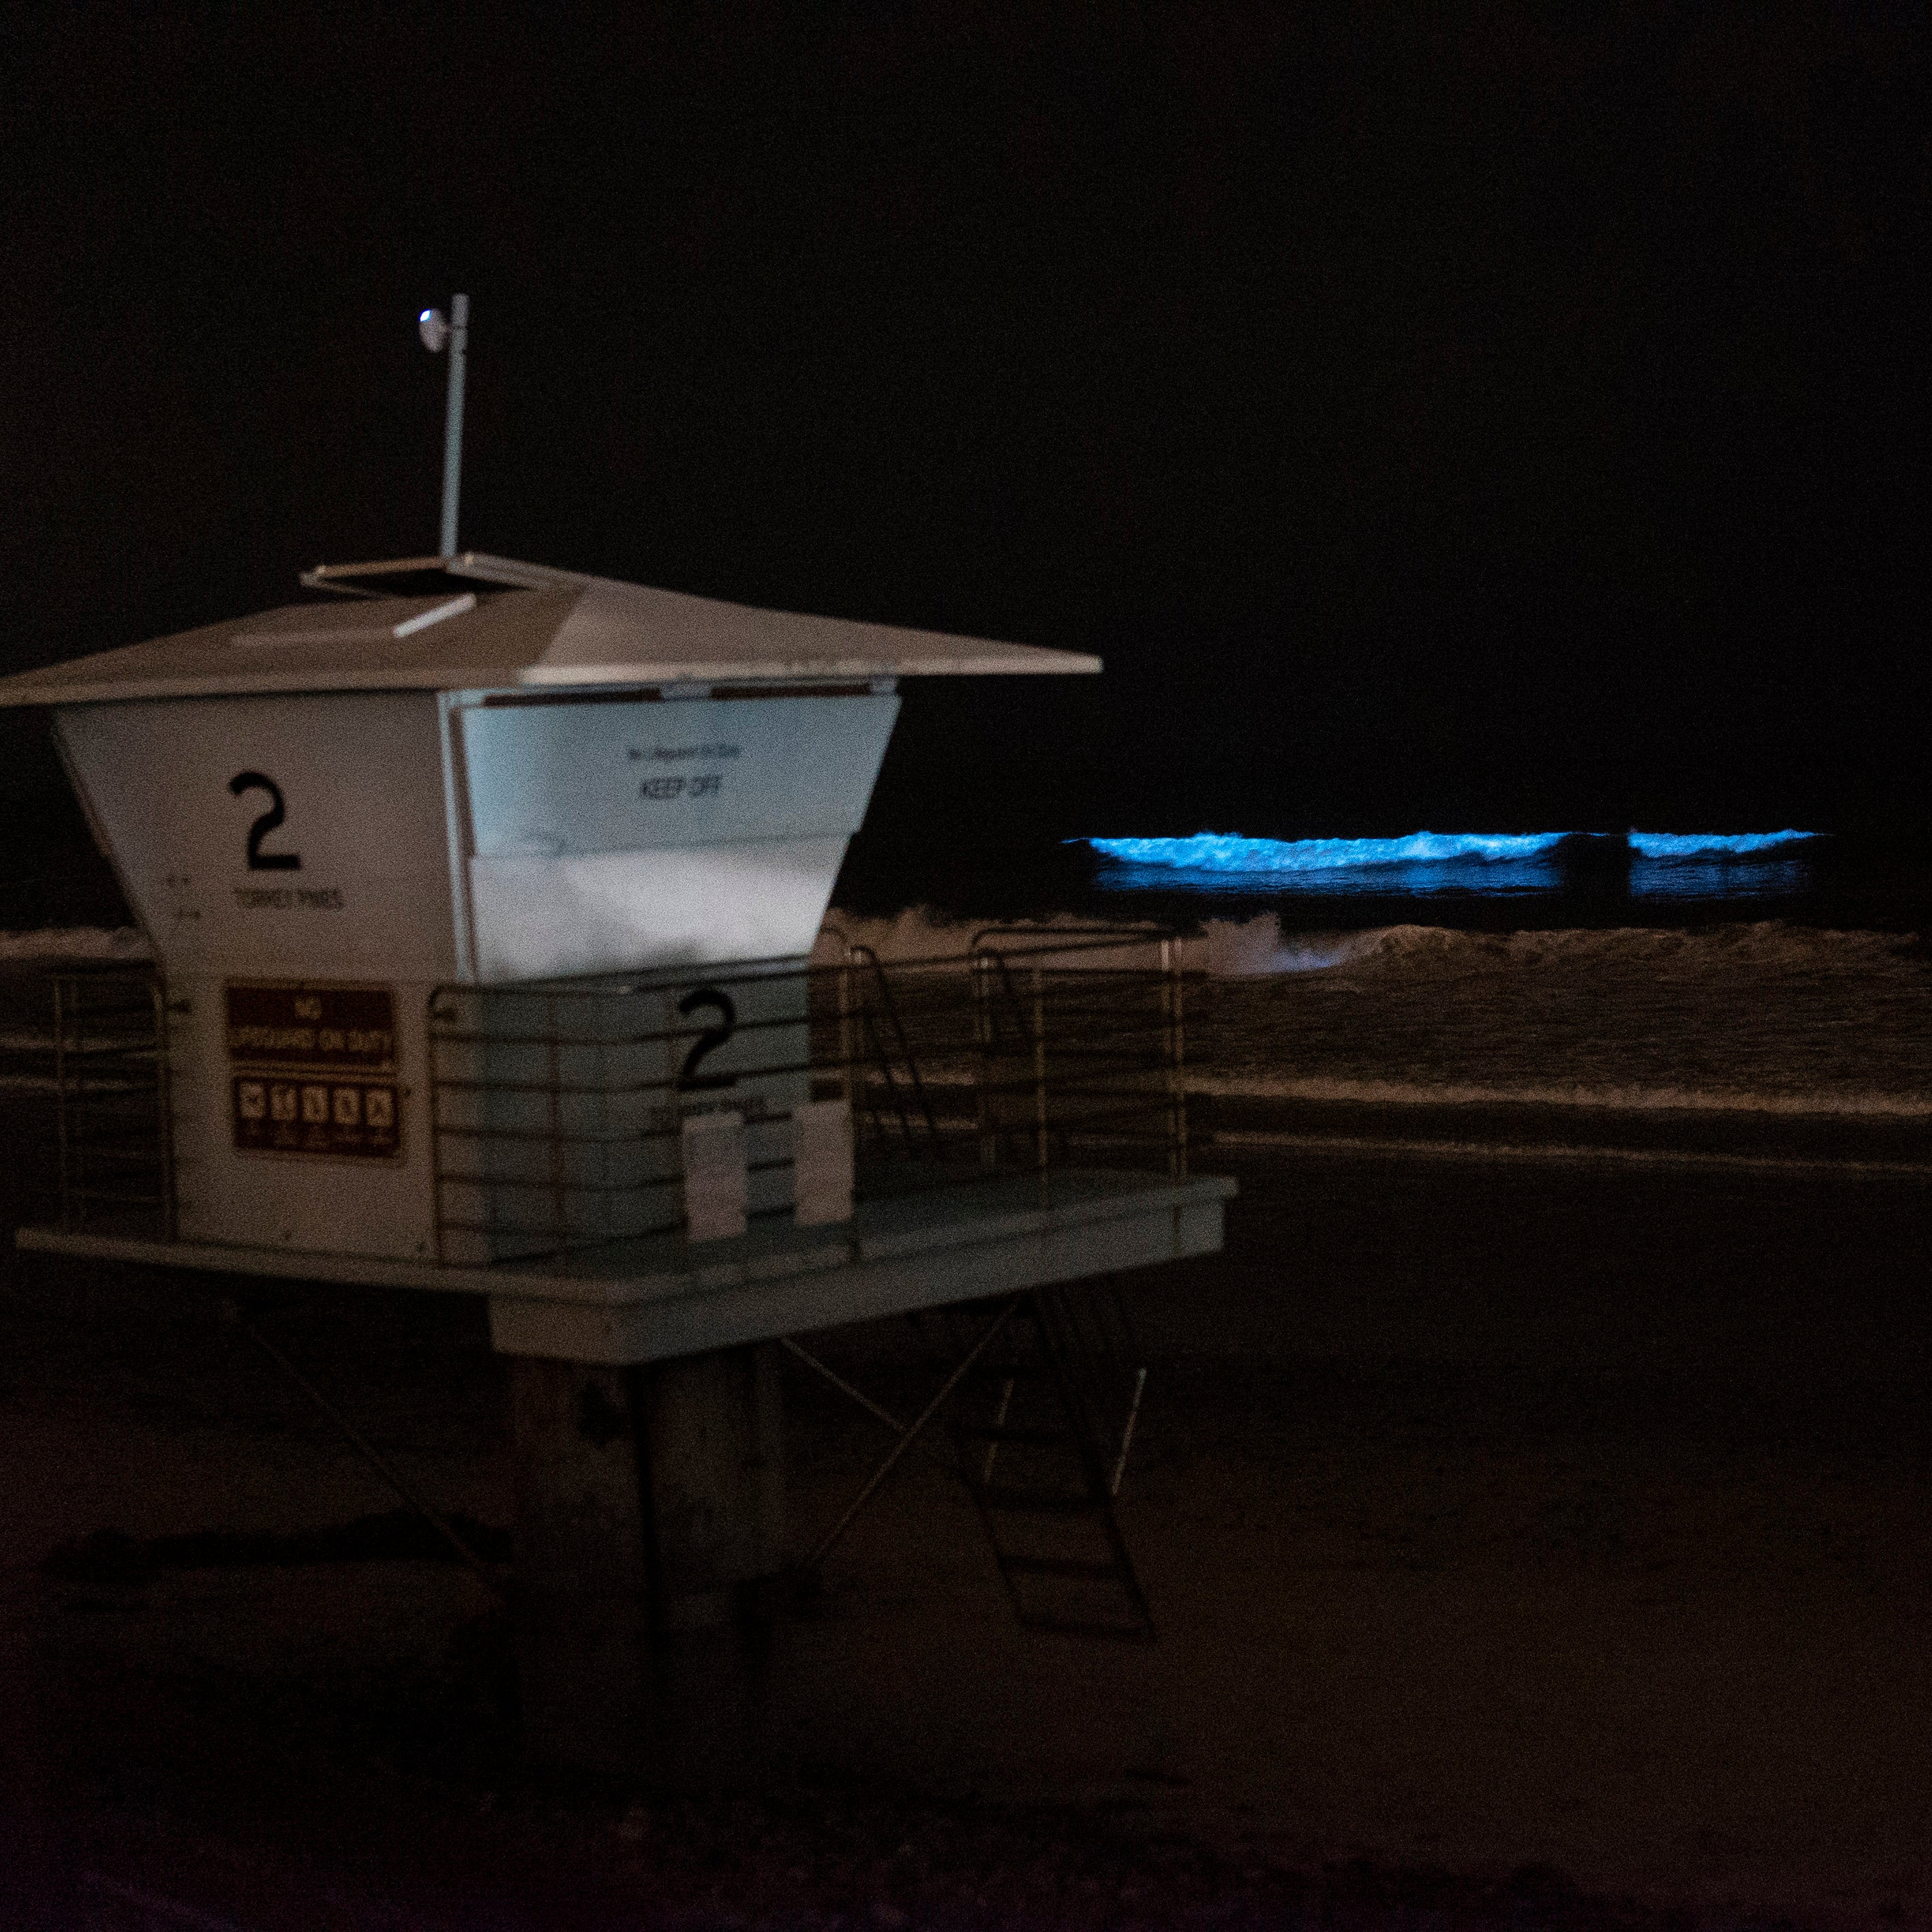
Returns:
point(1043, 1467)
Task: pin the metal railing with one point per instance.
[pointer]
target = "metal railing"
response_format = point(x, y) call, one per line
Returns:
point(1074, 1040)
point(112, 1113)
point(558, 1108)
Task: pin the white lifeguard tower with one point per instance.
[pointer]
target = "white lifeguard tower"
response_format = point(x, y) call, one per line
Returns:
point(480, 918)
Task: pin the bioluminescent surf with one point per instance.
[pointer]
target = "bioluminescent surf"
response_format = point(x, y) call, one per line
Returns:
point(1696, 864)
point(1228, 852)
point(1712, 845)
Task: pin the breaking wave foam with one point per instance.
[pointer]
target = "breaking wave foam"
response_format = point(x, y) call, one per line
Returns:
point(1766, 1017)
point(1228, 852)
point(1256, 948)
point(1698, 845)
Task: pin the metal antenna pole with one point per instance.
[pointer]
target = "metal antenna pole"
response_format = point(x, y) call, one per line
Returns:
point(452, 420)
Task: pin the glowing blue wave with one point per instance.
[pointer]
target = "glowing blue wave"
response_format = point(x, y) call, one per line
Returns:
point(1224, 852)
point(1227, 852)
point(1686, 845)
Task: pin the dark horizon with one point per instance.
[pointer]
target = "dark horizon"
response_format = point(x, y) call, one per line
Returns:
point(1465, 421)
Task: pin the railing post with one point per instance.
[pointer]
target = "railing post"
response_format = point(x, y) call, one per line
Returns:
point(1039, 1080)
point(848, 1043)
point(1176, 1080)
point(559, 1202)
point(433, 1068)
point(61, 1006)
point(157, 990)
point(982, 1036)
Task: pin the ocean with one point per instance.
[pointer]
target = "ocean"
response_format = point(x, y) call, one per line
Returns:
point(1768, 975)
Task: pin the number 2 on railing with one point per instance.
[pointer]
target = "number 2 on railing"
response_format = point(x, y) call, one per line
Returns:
point(712, 1037)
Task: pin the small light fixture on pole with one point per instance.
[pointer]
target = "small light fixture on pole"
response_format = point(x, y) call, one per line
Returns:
point(453, 332)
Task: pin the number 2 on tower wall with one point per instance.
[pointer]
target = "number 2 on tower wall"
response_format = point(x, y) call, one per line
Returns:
point(260, 861)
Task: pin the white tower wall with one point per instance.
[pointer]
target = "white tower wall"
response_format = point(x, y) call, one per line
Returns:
point(311, 867)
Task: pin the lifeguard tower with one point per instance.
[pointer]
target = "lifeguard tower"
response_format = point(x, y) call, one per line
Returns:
point(481, 901)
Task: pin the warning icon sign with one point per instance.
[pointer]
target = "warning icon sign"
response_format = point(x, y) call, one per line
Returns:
point(340, 1117)
point(315, 1070)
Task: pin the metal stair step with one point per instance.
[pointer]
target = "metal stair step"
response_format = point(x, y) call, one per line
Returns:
point(1027, 1502)
point(1059, 1566)
point(998, 1432)
point(1072, 1627)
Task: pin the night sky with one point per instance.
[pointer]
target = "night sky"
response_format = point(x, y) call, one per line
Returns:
point(1460, 415)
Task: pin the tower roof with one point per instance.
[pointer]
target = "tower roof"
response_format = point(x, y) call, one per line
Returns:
point(517, 624)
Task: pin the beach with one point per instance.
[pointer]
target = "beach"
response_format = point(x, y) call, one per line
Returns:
point(1536, 1535)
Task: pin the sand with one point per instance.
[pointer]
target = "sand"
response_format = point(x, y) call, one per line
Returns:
point(1541, 1542)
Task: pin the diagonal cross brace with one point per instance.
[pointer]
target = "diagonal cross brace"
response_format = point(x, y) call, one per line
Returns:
point(909, 1433)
